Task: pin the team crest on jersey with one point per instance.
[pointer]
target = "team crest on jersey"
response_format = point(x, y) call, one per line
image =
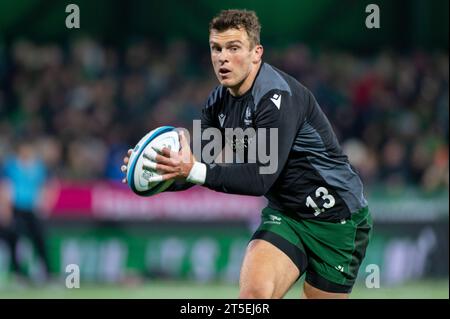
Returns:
point(248, 116)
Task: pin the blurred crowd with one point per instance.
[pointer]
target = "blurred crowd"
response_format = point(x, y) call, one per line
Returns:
point(83, 104)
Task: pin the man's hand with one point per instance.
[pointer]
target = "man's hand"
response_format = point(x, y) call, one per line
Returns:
point(123, 168)
point(170, 164)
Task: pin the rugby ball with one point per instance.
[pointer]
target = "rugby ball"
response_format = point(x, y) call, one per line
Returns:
point(137, 176)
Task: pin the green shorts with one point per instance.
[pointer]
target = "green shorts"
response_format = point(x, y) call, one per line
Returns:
point(329, 252)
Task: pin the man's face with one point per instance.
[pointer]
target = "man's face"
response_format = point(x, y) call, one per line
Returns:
point(232, 56)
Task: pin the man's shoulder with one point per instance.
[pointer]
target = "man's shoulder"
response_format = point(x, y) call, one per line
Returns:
point(272, 81)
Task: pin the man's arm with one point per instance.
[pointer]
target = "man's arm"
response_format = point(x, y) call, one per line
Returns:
point(245, 179)
point(192, 180)
point(181, 182)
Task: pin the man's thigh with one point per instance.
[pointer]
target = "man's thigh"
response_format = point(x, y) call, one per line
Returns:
point(330, 253)
point(335, 252)
point(267, 272)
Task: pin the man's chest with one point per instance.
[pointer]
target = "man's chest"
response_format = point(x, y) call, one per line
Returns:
point(233, 115)
point(237, 124)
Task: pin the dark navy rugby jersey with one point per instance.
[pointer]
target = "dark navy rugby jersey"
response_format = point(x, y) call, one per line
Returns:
point(313, 179)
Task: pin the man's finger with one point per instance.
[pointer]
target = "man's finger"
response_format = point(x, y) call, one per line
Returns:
point(164, 151)
point(129, 152)
point(160, 159)
point(183, 141)
point(124, 180)
point(167, 152)
point(161, 178)
point(126, 159)
point(150, 154)
point(186, 154)
point(146, 164)
point(123, 168)
point(149, 165)
point(155, 179)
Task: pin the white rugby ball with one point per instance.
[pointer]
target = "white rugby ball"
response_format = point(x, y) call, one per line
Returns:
point(164, 136)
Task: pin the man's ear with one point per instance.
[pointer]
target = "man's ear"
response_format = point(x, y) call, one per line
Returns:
point(258, 51)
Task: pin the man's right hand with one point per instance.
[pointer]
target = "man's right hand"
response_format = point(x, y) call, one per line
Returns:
point(123, 168)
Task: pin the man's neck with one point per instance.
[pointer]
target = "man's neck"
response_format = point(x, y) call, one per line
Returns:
point(245, 85)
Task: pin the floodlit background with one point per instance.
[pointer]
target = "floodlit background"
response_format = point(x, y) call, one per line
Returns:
point(82, 97)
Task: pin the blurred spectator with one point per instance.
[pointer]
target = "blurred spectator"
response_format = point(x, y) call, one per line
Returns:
point(7, 233)
point(25, 176)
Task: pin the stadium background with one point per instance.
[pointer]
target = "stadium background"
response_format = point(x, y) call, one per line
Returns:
point(86, 95)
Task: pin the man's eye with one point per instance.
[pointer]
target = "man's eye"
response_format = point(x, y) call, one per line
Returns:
point(215, 49)
point(234, 49)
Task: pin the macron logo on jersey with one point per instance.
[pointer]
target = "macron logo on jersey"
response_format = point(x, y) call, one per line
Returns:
point(222, 119)
point(276, 99)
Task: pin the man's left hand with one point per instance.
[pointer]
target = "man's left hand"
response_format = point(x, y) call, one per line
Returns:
point(170, 164)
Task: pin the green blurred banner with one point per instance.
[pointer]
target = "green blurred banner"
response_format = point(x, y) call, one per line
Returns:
point(205, 252)
point(320, 23)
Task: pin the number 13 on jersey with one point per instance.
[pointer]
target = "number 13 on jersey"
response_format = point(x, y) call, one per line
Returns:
point(321, 192)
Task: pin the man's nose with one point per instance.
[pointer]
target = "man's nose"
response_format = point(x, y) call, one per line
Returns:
point(223, 56)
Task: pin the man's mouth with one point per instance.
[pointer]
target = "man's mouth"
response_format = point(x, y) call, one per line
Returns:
point(224, 71)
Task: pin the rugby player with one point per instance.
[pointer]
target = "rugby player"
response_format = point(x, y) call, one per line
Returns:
point(317, 220)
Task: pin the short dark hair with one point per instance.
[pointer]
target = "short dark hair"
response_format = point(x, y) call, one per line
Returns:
point(236, 19)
